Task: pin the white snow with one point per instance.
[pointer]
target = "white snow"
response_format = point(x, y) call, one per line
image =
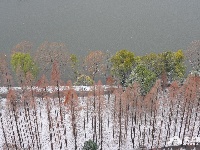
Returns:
point(151, 132)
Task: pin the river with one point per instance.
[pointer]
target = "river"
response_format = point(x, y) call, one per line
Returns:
point(141, 26)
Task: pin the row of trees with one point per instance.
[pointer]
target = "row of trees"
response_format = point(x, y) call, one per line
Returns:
point(124, 67)
point(125, 111)
point(64, 119)
point(128, 68)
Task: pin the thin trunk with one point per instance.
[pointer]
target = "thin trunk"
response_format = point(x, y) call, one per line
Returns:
point(60, 102)
point(132, 138)
point(87, 110)
point(15, 117)
point(94, 113)
point(14, 136)
point(101, 133)
point(99, 115)
point(37, 131)
point(65, 137)
point(182, 118)
point(196, 116)
point(50, 124)
point(4, 134)
point(120, 124)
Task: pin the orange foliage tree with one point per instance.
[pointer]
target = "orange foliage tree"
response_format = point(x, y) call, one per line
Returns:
point(94, 63)
point(48, 53)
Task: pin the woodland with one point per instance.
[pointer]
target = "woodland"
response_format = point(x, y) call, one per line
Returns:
point(52, 99)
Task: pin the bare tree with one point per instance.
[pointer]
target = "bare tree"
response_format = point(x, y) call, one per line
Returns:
point(47, 53)
point(33, 104)
point(56, 81)
point(193, 55)
point(73, 107)
point(12, 102)
point(118, 115)
point(101, 105)
point(5, 74)
point(3, 129)
point(23, 47)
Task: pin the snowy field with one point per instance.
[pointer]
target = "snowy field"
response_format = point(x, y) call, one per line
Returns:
point(49, 118)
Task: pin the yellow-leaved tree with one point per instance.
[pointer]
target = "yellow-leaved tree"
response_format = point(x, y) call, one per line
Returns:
point(122, 64)
point(22, 63)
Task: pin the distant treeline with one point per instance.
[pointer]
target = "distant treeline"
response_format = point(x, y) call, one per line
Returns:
point(123, 67)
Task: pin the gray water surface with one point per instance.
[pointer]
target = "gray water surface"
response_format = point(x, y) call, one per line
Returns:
point(142, 26)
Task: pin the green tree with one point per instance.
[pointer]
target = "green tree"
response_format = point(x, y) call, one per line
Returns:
point(169, 65)
point(145, 77)
point(173, 64)
point(74, 65)
point(121, 65)
point(153, 62)
point(180, 68)
point(84, 80)
point(23, 63)
point(90, 145)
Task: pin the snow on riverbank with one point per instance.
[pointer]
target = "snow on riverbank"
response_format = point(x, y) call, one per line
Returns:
point(170, 124)
point(50, 89)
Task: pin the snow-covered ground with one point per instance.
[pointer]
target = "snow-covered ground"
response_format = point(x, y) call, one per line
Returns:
point(39, 124)
point(51, 88)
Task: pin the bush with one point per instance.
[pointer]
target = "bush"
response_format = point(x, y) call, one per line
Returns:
point(90, 145)
point(84, 80)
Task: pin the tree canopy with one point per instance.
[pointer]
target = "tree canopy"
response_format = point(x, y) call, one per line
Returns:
point(23, 62)
point(124, 66)
point(94, 64)
point(169, 63)
point(121, 65)
point(173, 64)
point(145, 77)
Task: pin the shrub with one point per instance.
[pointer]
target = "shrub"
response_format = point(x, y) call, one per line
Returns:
point(84, 80)
point(90, 145)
